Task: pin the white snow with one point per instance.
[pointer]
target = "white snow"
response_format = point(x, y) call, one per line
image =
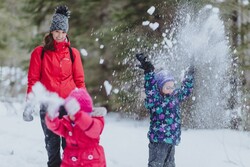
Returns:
point(124, 140)
point(151, 10)
point(108, 87)
point(220, 1)
point(101, 46)
point(168, 42)
point(145, 23)
point(154, 26)
point(116, 90)
point(84, 52)
point(125, 143)
point(101, 61)
point(245, 2)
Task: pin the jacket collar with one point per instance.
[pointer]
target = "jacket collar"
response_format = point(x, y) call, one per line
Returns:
point(60, 46)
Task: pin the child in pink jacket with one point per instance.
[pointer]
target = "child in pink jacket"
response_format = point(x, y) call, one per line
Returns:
point(81, 127)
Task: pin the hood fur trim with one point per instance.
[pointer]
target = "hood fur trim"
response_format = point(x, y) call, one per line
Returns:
point(98, 112)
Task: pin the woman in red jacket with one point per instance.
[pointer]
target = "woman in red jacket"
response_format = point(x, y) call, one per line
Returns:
point(81, 128)
point(59, 68)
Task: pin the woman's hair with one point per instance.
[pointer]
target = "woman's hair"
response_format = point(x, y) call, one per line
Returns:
point(48, 42)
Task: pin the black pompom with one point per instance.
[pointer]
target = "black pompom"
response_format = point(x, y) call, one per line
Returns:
point(63, 10)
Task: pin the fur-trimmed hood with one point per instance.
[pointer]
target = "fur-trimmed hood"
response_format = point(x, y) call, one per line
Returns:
point(98, 112)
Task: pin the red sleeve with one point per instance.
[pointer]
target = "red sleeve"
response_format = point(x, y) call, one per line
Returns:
point(78, 72)
point(92, 126)
point(55, 125)
point(34, 71)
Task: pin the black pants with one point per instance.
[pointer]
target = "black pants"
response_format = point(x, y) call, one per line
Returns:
point(52, 142)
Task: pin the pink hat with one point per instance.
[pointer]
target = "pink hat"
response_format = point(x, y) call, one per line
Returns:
point(83, 98)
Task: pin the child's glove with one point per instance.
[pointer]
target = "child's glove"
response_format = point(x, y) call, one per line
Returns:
point(147, 66)
point(72, 106)
point(62, 111)
point(27, 113)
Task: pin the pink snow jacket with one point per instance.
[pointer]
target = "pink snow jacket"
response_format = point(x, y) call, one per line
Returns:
point(82, 139)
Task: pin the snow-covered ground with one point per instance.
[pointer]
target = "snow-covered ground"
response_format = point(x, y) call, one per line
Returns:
point(125, 144)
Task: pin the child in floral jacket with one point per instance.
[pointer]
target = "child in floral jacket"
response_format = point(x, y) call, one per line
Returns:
point(163, 102)
point(81, 128)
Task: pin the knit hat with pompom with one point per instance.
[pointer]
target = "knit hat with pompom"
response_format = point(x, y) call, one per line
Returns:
point(83, 98)
point(60, 19)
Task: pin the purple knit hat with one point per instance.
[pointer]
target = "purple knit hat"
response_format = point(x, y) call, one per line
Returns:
point(162, 77)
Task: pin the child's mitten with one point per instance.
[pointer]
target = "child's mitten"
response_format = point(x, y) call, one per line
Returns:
point(147, 66)
point(140, 57)
point(72, 106)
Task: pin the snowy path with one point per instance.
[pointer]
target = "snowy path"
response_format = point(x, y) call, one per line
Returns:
point(125, 144)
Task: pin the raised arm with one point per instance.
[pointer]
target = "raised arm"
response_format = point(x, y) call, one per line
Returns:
point(152, 94)
point(187, 84)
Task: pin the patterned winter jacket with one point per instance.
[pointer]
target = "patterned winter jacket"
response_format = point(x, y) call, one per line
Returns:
point(165, 115)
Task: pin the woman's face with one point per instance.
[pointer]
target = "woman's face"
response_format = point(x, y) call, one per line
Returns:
point(168, 87)
point(59, 35)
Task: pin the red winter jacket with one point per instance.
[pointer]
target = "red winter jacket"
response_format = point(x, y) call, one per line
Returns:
point(55, 71)
point(82, 139)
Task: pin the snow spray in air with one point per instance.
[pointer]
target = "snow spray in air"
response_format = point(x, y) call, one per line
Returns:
point(201, 35)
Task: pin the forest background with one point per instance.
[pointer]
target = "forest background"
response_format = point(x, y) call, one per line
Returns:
point(107, 32)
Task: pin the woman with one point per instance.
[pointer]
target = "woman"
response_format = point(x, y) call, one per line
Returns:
point(59, 68)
